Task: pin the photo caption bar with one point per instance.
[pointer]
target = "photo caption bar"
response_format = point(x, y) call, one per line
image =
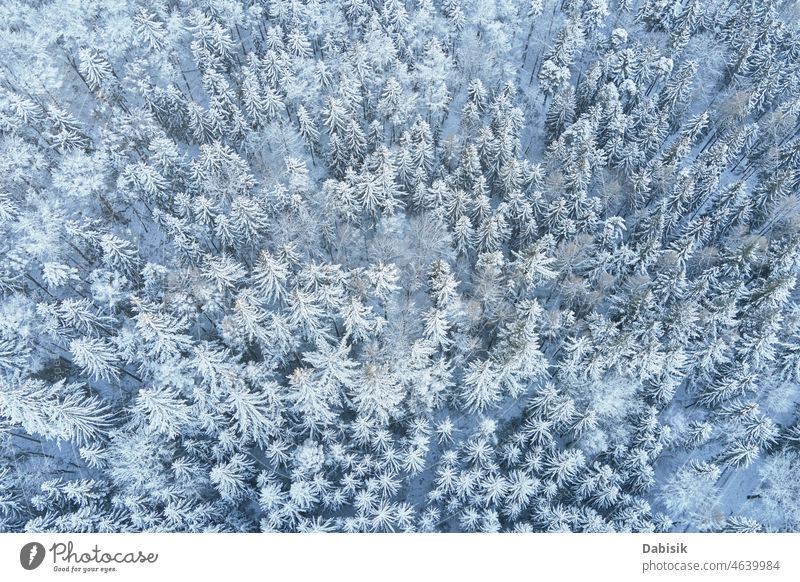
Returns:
point(351, 557)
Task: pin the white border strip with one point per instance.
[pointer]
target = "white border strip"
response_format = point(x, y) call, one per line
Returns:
point(418, 557)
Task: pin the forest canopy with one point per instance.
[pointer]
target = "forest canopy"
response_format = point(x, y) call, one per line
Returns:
point(399, 265)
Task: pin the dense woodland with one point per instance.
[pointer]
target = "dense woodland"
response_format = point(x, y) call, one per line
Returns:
point(387, 265)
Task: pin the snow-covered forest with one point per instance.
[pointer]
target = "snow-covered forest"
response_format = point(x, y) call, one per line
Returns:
point(399, 265)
